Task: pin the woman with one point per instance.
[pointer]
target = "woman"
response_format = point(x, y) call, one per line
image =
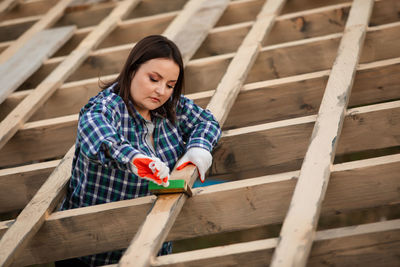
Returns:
point(135, 130)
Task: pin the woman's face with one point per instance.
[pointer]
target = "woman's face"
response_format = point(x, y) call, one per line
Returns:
point(153, 84)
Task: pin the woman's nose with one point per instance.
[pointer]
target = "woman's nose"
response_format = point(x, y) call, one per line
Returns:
point(160, 89)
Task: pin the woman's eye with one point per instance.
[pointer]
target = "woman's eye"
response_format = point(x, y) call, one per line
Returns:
point(152, 79)
point(170, 87)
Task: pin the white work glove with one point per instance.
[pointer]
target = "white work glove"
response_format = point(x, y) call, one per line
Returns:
point(198, 156)
point(152, 169)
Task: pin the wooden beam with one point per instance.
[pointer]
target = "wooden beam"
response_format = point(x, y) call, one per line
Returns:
point(229, 87)
point(275, 61)
point(14, 22)
point(374, 49)
point(188, 30)
point(355, 245)
point(32, 217)
point(54, 136)
point(48, 136)
point(10, 125)
point(34, 214)
point(374, 82)
point(189, 39)
point(283, 144)
point(46, 21)
point(29, 58)
point(301, 95)
point(60, 133)
point(298, 229)
point(300, 5)
point(254, 202)
point(309, 23)
point(288, 28)
point(18, 185)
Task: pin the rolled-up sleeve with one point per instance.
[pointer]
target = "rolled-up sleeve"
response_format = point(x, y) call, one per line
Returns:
point(199, 127)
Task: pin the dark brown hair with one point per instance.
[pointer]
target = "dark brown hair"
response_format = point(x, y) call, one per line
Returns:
point(150, 47)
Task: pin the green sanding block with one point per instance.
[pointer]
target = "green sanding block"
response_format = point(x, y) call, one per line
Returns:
point(175, 186)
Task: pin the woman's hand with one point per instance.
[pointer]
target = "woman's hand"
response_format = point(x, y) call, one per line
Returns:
point(200, 157)
point(152, 169)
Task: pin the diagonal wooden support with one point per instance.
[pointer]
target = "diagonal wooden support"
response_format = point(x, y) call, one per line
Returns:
point(33, 216)
point(298, 230)
point(155, 228)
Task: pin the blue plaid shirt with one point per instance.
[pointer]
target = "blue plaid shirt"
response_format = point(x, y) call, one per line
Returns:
point(107, 140)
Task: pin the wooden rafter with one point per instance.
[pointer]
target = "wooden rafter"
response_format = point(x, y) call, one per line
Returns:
point(11, 124)
point(329, 244)
point(157, 224)
point(282, 91)
point(33, 215)
point(160, 219)
point(378, 116)
point(254, 202)
point(299, 226)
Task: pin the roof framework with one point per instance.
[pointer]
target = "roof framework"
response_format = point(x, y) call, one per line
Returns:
point(308, 96)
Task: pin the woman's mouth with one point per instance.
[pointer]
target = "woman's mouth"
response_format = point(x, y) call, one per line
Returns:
point(155, 100)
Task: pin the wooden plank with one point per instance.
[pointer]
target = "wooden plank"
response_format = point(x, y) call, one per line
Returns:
point(254, 202)
point(374, 244)
point(34, 214)
point(301, 95)
point(281, 146)
point(29, 58)
point(152, 233)
point(288, 28)
point(374, 82)
point(229, 87)
point(300, 5)
point(60, 133)
point(298, 229)
point(18, 185)
point(52, 137)
point(10, 125)
point(52, 15)
point(190, 38)
point(275, 61)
